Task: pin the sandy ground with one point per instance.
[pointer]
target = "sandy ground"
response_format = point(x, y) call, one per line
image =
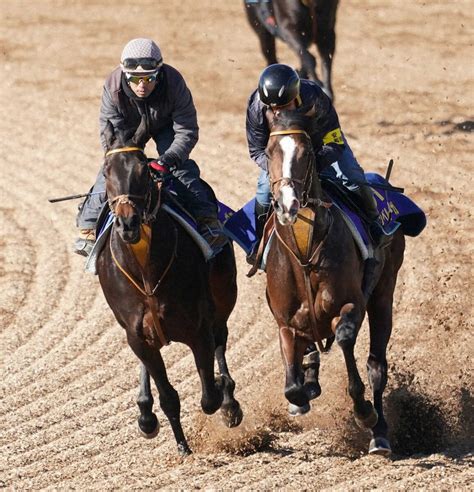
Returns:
point(403, 80)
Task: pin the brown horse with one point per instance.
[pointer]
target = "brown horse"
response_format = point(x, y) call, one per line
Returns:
point(317, 290)
point(298, 23)
point(161, 289)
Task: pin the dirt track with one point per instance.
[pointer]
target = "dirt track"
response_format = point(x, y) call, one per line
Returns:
point(403, 83)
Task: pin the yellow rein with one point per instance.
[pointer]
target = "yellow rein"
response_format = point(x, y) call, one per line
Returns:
point(289, 132)
point(123, 149)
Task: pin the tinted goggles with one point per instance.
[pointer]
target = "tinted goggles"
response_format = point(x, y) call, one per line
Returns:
point(145, 63)
point(135, 79)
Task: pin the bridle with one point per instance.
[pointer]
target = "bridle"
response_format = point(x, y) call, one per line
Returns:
point(145, 288)
point(308, 263)
point(128, 199)
point(308, 178)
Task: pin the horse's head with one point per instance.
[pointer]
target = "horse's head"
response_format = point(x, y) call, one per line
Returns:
point(127, 179)
point(291, 163)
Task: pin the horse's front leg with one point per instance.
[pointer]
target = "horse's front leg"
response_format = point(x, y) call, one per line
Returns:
point(346, 327)
point(292, 349)
point(151, 358)
point(147, 422)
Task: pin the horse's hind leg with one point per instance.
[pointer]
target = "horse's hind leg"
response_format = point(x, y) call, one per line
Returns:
point(230, 409)
point(346, 328)
point(147, 422)
point(203, 351)
point(380, 321)
point(267, 40)
point(325, 39)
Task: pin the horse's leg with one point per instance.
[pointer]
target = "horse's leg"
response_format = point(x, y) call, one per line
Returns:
point(169, 398)
point(379, 310)
point(230, 409)
point(346, 327)
point(292, 349)
point(203, 351)
point(294, 34)
point(266, 39)
point(311, 363)
point(325, 39)
point(147, 422)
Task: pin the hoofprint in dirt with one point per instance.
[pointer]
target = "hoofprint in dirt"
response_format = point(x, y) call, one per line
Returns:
point(69, 381)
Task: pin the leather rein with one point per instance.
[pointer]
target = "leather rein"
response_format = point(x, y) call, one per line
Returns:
point(308, 263)
point(146, 288)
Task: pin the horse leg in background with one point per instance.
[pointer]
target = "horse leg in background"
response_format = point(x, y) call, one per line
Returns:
point(296, 35)
point(267, 40)
point(169, 399)
point(147, 422)
point(346, 327)
point(325, 38)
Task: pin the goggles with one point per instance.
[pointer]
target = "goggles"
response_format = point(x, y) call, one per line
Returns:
point(145, 63)
point(135, 79)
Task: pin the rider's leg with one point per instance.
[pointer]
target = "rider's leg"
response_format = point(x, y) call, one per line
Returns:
point(197, 200)
point(262, 206)
point(87, 216)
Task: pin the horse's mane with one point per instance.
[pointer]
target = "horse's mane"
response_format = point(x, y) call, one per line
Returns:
point(291, 119)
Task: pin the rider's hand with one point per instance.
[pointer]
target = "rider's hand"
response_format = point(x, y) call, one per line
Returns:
point(161, 167)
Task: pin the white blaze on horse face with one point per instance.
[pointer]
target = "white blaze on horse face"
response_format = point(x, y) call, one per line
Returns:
point(288, 197)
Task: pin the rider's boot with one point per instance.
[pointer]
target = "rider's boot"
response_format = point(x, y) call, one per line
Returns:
point(84, 243)
point(261, 215)
point(369, 204)
point(212, 231)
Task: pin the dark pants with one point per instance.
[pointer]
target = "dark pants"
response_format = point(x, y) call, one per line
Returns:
point(192, 191)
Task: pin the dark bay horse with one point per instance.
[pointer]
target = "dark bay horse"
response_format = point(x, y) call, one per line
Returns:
point(160, 288)
point(299, 23)
point(317, 290)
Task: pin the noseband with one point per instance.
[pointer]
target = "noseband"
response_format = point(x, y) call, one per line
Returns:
point(125, 199)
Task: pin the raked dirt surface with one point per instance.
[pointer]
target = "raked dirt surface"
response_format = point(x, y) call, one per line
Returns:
point(403, 76)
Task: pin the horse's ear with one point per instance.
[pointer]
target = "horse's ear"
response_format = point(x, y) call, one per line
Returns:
point(109, 134)
point(311, 113)
point(141, 136)
point(270, 115)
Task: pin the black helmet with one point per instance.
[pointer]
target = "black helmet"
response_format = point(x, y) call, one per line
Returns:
point(278, 85)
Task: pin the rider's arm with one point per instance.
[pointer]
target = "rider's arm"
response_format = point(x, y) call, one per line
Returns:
point(257, 132)
point(184, 117)
point(109, 112)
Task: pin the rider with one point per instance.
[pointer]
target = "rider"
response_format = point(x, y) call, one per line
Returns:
point(144, 84)
point(279, 88)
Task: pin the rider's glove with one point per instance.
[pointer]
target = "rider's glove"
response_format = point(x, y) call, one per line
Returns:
point(161, 167)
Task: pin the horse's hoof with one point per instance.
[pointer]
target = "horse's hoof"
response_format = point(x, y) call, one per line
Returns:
point(312, 390)
point(232, 414)
point(296, 411)
point(380, 446)
point(150, 429)
point(183, 449)
point(370, 421)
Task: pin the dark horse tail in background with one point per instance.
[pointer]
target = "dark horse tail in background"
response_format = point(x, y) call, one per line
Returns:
point(317, 285)
point(298, 23)
point(160, 288)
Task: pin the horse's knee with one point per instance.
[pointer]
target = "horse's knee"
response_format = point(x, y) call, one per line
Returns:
point(346, 334)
